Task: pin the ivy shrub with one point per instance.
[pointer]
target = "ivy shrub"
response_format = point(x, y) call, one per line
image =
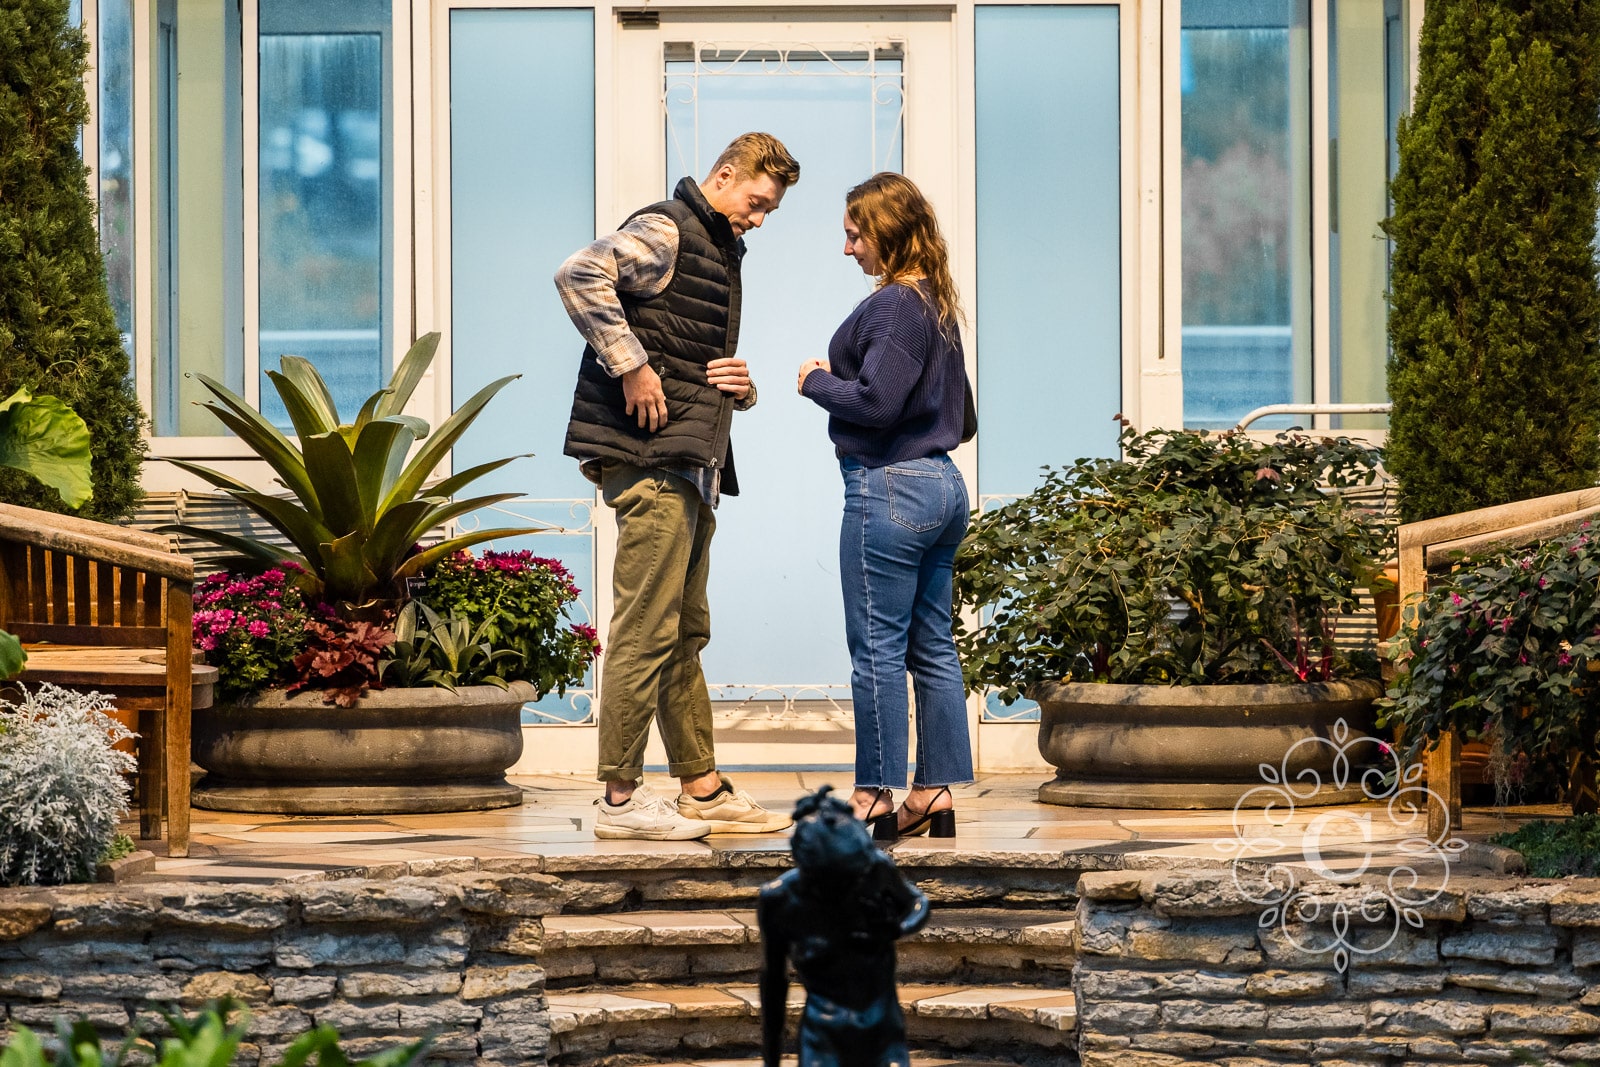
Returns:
point(1494, 308)
point(62, 790)
point(1506, 649)
point(58, 334)
point(1197, 558)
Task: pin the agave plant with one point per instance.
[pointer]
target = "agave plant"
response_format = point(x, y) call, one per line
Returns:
point(359, 505)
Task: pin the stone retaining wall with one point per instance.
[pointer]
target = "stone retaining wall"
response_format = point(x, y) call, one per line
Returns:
point(1184, 968)
point(384, 961)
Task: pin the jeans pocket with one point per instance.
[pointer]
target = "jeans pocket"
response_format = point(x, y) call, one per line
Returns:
point(916, 498)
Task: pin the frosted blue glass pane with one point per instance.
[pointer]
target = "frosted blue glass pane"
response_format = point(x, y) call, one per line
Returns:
point(522, 200)
point(777, 613)
point(1246, 187)
point(1049, 301)
point(324, 195)
point(115, 116)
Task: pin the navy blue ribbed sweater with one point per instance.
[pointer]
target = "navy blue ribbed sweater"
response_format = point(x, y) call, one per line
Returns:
point(895, 389)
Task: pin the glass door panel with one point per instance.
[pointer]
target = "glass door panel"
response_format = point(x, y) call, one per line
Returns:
point(779, 621)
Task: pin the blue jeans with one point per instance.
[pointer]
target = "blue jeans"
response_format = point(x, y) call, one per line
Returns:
point(902, 524)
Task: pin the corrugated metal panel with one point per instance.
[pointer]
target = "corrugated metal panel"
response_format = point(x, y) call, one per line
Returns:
point(213, 511)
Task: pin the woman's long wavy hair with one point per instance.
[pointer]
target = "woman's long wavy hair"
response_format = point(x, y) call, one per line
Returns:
point(891, 212)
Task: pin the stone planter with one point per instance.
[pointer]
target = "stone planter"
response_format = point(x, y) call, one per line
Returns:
point(398, 751)
point(1203, 746)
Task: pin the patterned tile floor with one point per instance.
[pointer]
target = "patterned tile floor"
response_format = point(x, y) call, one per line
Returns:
point(997, 814)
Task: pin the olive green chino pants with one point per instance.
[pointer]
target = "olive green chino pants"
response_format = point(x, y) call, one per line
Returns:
point(659, 623)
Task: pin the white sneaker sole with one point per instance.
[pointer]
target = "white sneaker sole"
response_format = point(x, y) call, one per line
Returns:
point(628, 833)
point(731, 826)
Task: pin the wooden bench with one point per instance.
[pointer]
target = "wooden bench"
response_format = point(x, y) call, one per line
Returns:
point(1434, 546)
point(101, 607)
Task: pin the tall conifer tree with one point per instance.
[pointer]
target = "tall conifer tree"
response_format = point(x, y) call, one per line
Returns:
point(1495, 314)
point(58, 335)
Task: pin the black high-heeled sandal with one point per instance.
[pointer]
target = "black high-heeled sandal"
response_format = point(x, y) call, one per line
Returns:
point(930, 822)
point(885, 827)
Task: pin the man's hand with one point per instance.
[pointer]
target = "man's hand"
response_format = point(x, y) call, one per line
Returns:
point(641, 387)
point(732, 376)
point(806, 368)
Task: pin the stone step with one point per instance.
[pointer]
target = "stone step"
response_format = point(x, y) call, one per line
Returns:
point(688, 1023)
point(917, 1060)
point(976, 946)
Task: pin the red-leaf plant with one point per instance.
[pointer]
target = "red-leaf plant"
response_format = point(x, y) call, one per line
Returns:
point(341, 659)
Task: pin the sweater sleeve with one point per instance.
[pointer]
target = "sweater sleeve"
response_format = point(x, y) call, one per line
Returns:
point(894, 336)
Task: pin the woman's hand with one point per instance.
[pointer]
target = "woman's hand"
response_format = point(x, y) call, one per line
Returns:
point(806, 368)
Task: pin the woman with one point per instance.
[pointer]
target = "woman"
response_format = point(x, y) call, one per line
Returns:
point(893, 387)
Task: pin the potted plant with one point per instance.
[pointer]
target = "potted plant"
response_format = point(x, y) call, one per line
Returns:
point(361, 672)
point(1505, 650)
point(1174, 611)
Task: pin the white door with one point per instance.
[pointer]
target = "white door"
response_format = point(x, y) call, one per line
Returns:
point(848, 97)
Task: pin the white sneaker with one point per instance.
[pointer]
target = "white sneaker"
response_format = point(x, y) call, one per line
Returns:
point(732, 813)
point(645, 816)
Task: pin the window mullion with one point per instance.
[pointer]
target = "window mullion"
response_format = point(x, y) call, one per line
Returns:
point(251, 143)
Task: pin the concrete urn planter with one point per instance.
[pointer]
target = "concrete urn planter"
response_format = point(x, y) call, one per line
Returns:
point(1203, 746)
point(398, 751)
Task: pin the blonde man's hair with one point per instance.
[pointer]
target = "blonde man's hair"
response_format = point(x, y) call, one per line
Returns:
point(753, 154)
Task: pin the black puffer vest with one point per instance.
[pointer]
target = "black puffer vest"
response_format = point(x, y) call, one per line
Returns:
point(693, 321)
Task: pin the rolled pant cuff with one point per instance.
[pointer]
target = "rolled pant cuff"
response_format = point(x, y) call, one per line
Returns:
point(619, 774)
point(692, 769)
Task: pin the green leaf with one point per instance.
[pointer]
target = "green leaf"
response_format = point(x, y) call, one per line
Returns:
point(23, 1050)
point(438, 446)
point(302, 528)
point(380, 456)
point(43, 437)
point(392, 537)
point(301, 372)
point(422, 560)
point(333, 469)
point(346, 575)
point(446, 512)
point(457, 482)
point(12, 656)
point(263, 439)
point(307, 417)
point(215, 477)
point(245, 546)
point(406, 376)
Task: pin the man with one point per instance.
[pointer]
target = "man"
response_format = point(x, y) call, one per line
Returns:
point(658, 303)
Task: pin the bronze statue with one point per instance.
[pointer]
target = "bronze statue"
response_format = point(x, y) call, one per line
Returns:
point(837, 914)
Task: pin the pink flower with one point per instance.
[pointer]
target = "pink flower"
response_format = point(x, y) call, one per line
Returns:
point(1565, 659)
point(258, 628)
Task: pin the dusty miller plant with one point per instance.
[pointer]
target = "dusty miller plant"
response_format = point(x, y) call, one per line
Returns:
point(62, 789)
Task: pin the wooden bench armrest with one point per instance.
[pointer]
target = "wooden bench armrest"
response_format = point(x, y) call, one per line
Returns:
point(165, 564)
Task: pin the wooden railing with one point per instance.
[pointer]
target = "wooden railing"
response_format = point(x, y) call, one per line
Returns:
point(1434, 546)
point(91, 602)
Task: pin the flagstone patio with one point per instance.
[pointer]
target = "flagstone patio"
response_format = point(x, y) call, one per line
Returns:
point(996, 814)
